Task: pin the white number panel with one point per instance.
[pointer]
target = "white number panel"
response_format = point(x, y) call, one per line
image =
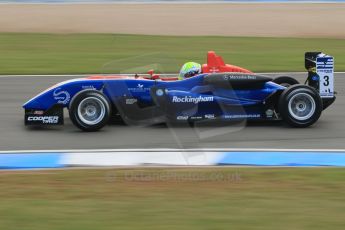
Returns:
point(325, 70)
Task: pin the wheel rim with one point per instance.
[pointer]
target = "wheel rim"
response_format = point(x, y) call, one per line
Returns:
point(302, 106)
point(91, 110)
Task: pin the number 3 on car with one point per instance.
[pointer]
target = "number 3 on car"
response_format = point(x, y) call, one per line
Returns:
point(325, 70)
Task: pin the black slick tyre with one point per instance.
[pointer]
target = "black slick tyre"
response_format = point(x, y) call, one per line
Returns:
point(285, 81)
point(300, 105)
point(90, 110)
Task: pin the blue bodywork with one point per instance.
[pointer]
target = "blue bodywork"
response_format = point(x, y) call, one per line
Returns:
point(189, 99)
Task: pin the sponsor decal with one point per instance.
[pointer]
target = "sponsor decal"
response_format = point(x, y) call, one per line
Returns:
point(62, 97)
point(159, 92)
point(190, 99)
point(214, 70)
point(239, 77)
point(38, 112)
point(269, 113)
point(45, 119)
point(131, 101)
point(182, 118)
point(324, 63)
point(139, 88)
point(196, 118)
point(88, 87)
point(315, 78)
point(235, 116)
point(210, 116)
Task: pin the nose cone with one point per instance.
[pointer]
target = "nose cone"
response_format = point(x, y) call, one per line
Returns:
point(32, 104)
point(42, 101)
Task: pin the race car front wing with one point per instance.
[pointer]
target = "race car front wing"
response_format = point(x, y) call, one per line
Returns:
point(52, 116)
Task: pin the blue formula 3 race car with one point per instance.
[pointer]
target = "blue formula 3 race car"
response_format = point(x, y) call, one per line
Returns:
point(222, 92)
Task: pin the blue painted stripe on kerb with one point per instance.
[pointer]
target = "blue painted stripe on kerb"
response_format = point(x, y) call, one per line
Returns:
point(30, 160)
point(255, 158)
point(276, 158)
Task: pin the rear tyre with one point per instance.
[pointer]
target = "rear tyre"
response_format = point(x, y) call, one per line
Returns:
point(300, 106)
point(285, 81)
point(90, 110)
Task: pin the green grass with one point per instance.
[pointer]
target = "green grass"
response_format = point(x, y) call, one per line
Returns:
point(212, 198)
point(102, 53)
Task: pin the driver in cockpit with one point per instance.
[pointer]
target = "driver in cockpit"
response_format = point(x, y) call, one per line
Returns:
point(189, 69)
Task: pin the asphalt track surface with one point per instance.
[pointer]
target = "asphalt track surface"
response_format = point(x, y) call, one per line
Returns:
point(327, 133)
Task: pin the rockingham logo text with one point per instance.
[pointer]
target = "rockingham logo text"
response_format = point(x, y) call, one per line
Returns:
point(190, 99)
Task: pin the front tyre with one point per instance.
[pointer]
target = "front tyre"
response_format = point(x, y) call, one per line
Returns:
point(90, 110)
point(300, 105)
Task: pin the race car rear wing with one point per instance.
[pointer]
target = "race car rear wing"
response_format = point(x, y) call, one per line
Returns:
point(320, 69)
point(216, 64)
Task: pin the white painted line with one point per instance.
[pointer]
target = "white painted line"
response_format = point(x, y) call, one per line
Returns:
point(172, 2)
point(171, 150)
